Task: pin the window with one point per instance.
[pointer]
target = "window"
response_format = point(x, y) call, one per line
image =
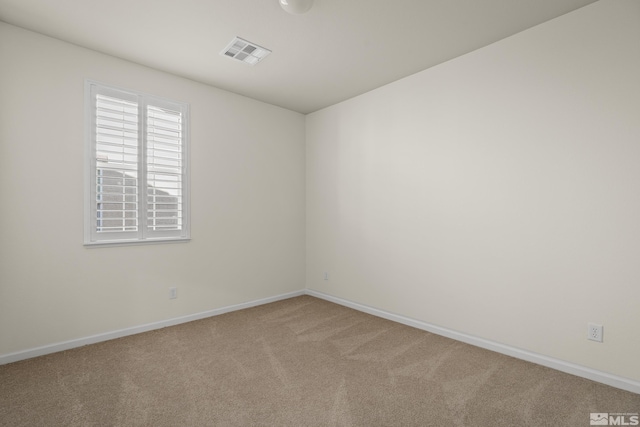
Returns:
point(136, 172)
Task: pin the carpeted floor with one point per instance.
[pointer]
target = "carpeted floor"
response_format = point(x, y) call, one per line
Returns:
point(297, 362)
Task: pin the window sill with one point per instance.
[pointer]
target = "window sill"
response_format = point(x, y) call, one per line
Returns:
point(110, 243)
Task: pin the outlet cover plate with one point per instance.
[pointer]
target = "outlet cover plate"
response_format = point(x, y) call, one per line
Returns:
point(594, 332)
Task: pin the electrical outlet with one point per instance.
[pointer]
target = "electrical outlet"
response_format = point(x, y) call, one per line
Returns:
point(594, 332)
point(173, 293)
point(325, 276)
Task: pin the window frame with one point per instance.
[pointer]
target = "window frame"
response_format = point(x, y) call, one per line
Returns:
point(93, 238)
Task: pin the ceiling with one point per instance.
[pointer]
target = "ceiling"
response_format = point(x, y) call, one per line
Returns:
point(337, 50)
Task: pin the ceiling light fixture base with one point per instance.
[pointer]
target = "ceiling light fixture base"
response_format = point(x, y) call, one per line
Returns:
point(296, 7)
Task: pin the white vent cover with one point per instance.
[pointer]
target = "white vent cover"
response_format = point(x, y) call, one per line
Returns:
point(245, 51)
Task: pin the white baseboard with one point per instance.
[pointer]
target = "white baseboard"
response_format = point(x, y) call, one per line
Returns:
point(550, 362)
point(67, 345)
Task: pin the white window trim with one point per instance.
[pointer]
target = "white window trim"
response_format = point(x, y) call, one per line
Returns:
point(91, 238)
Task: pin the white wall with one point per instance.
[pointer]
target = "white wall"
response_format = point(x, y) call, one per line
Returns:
point(497, 194)
point(247, 209)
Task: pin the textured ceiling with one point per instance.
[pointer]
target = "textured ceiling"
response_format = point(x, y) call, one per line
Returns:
point(339, 49)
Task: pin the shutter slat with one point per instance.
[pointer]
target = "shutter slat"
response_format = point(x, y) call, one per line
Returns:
point(123, 165)
point(128, 135)
point(153, 150)
point(112, 125)
point(103, 109)
point(104, 100)
point(165, 145)
point(169, 142)
point(167, 122)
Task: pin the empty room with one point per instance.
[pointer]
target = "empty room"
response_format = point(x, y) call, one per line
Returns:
point(319, 213)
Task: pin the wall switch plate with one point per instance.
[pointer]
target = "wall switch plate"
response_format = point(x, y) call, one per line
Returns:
point(173, 293)
point(325, 276)
point(594, 332)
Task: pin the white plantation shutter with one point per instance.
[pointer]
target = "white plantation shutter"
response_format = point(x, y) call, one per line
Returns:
point(116, 165)
point(164, 169)
point(137, 170)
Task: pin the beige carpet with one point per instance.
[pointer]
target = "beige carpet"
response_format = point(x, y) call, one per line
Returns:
point(298, 362)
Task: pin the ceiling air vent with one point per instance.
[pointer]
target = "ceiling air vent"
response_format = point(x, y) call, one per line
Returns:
point(245, 51)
